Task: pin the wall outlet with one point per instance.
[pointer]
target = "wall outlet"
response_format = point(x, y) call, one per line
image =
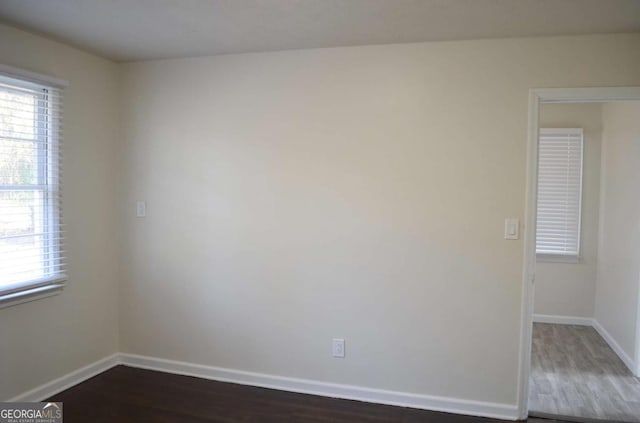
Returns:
point(337, 347)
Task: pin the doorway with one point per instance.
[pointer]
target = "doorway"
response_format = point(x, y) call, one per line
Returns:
point(581, 331)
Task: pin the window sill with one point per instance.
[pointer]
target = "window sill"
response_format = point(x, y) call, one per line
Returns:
point(54, 287)
point(558, 258)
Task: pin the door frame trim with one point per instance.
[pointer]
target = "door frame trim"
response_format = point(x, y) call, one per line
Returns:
point(538, 96)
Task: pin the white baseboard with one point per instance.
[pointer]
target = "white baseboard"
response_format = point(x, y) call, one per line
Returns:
point(563, 320)
point(403, 399)
point(313, 387)
point(615, 347)
point(67, 381)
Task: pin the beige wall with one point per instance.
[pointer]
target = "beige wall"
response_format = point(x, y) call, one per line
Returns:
point(45, 339)
point(298, 196)
point(618, 281)
point(569, 289)
point(352, 192)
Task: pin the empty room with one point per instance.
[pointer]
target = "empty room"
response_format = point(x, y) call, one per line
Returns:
point(586, 299)
point(319, 211)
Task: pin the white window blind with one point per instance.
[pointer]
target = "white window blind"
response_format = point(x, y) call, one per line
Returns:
point(560, 154)
point(31, 236)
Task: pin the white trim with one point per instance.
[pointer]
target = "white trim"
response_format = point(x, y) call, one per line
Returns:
point(529, 260)
point(561, 131)
point(558, 258)
point(587, 95)
point(32, 283)
point(36, 78)
point(615, 347)
point(28, 295)
point(563, 320)
point(51, 388)
point(289, 384)
point(333, 390)
point(536, 97)
point(637, 346)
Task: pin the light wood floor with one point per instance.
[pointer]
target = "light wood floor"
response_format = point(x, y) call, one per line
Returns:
point(575, 373)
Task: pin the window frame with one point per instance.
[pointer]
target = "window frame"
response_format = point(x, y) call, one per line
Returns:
point(48, 183)
point(558, 257)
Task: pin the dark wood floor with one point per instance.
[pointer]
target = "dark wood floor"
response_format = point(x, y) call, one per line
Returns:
point(124, 394)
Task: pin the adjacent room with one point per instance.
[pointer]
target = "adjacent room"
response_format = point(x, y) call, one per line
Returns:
point(319, 210)
point(586, 296)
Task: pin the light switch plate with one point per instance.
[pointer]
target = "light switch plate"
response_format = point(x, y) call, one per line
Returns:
point(511, 229)
point(337, 347)
point(141, 209)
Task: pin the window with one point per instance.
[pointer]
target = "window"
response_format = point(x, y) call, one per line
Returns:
point(31, 247)
point(559, 193)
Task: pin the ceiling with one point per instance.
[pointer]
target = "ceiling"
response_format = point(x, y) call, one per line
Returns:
point(128, 30)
